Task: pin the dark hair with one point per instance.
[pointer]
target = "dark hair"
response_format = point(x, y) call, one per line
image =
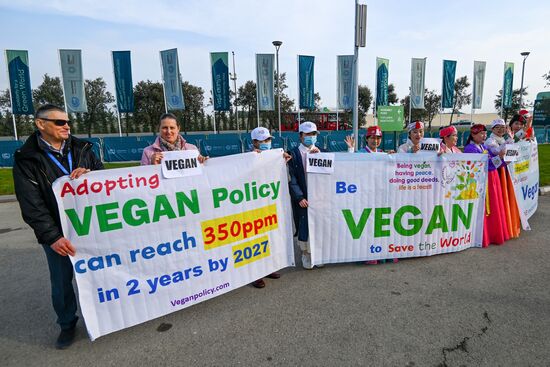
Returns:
point(43, 111)
point(469, 140)
point(515, 118)
point(169, 115)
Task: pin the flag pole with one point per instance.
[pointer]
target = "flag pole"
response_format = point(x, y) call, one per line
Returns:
point(11, 100)
point(257, 95)
point(337, 92)
point(299, 92)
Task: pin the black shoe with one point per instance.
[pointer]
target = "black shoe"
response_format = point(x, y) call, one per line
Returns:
point(274, 276)
point(258, 283)
point(65, 338)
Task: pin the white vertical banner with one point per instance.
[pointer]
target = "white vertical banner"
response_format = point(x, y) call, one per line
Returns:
point(524, 172)
point(264, 81)
point(479, 81)
point(418, 71)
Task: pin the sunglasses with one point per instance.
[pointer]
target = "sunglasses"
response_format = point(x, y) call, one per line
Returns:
point(58, 122)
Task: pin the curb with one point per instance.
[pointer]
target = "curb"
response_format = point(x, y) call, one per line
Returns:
point(7, 198)
point(545, 190)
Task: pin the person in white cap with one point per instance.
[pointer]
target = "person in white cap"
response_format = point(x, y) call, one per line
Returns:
point(261, 141)
point(416, 133)
point(298, 186)
point(496, 145)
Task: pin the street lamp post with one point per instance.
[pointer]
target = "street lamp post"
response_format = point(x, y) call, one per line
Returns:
point(234, 78)
point(524, 54)
point(277, 45)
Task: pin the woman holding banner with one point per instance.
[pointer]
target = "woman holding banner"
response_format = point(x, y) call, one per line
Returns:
point(169, 139)
point(373, 140)
point(261, 141)
point(495, 228)
point(416, 133)
point(496, 144)
point(449, 138)
point(520, 124)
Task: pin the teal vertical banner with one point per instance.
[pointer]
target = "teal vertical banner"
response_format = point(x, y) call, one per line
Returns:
point(448, 87)
point(20, 82)
point(345, 81)
point(418, 71)
point(73, 80)
point(382, 73)
point(305, 77)
point(220, 80)
point(122, 69)
point(264, 81)
point(507, 88)
point(479, 80)
point(173, 93)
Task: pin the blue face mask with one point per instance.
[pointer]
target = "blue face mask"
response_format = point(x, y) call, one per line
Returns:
point(265, 146)
point(310, 140)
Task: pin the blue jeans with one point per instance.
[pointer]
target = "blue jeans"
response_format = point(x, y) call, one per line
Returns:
point(63, 297)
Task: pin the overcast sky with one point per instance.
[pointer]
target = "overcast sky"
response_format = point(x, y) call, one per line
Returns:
point(492, 31)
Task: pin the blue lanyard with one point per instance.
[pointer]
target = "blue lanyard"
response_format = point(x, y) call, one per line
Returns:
point(63, 169)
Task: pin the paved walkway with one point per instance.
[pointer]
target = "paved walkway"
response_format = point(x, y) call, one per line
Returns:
point(480, 307)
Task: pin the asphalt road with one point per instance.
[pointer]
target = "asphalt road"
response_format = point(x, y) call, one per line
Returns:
point(480, 307)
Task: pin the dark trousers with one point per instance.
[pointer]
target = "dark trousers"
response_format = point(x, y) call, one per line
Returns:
point(63, 297)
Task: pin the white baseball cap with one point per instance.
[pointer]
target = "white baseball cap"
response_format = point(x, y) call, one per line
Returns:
point(307, 127)
point(260, 134)
point(497, 122)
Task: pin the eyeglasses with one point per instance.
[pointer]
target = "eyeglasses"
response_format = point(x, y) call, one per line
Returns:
point(58, 122)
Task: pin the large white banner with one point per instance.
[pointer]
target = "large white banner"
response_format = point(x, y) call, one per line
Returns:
point(379, 206)
point(148, 246)
point(525, 176)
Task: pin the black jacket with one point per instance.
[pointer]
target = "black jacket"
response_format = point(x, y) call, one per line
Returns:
point(33, 175)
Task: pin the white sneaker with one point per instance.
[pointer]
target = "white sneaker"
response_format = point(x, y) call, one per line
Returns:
point(320, 265)
point(306, 261)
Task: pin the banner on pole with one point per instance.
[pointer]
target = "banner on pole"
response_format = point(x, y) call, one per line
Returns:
point(305, 76)
point(479, 81)
point(171, 77)
point(508, 85)
point(525, 177)
point(73, 80)
point(20, 82)
point(345, 82)
point(264, 81)
point(220, 80)
point(122, 68)
point(409, 205)
point(382, 72)
point(448, 87)
point(149, 246)
point(418, 69)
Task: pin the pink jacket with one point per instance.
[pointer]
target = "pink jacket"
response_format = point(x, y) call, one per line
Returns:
point(156, 147)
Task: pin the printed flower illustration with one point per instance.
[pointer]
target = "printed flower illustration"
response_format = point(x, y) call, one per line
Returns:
point(467, 184)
